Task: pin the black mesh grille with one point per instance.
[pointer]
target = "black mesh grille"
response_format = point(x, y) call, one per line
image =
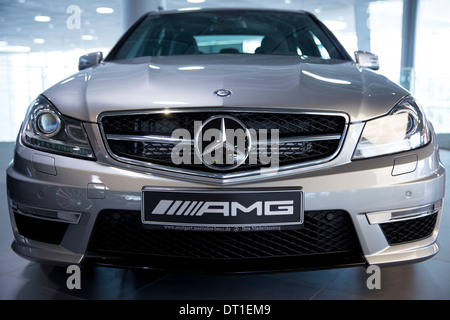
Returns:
point(39, 229)
point(160, 153)
point(162, 125)
point(286, 123)
point(121, 232)
point(409, 230)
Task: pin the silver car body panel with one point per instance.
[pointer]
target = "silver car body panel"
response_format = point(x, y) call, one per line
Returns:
point(256, 82)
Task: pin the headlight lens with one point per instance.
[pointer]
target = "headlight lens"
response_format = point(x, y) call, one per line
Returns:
point(47, 122)
point(404, 128)
point(46, 129)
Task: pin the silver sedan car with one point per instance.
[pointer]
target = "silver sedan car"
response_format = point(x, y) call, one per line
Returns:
point(231, 141)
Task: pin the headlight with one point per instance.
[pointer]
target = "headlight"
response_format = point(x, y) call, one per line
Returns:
point(47, 130)
point(404, 128)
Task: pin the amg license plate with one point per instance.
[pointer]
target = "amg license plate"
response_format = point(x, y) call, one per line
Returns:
point(222, 210)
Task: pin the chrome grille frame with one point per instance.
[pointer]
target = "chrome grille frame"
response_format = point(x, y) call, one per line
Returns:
point(220, 176)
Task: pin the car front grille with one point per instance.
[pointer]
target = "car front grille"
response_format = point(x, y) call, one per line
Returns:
point(144, 139)
point(121, 233)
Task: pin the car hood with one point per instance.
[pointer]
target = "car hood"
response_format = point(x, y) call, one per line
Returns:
point(256, 81)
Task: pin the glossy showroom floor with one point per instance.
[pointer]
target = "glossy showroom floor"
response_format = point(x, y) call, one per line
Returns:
point(21, 279)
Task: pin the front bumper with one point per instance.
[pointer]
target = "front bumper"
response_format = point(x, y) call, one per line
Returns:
point(72, 193)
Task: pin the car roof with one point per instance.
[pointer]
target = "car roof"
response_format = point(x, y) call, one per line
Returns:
point(188, 10)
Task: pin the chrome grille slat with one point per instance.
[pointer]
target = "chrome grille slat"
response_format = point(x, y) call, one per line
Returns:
point(169, 139)
point(147, 138)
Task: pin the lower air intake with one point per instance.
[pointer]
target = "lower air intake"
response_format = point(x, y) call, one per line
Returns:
point(325, 235)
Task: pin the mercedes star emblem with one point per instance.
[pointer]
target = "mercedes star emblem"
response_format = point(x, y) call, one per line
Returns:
point(223, 142)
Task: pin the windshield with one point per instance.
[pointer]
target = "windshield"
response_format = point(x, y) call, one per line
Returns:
point(227, 32)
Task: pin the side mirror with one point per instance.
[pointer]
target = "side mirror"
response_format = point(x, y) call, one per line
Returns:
point(367, 60)
point(90, 60)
